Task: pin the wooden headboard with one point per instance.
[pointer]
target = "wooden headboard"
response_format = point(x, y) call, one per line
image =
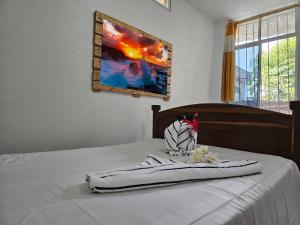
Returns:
point(239, 127)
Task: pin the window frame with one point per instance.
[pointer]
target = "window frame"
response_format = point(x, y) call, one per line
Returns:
point(259, 44)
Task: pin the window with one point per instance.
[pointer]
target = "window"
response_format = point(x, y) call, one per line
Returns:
point(265, 62)
point(164, 3)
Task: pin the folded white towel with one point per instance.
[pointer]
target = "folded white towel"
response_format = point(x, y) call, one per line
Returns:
point(156, 171)
point(180, 138)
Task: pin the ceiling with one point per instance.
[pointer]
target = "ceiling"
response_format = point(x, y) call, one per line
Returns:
point(219, 10)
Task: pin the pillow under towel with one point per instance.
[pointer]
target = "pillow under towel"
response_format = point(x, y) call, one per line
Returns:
point(155, 171)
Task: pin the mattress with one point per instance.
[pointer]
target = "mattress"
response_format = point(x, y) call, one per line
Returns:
point(49, 188)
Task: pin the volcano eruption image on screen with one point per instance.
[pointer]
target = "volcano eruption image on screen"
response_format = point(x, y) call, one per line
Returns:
point(132, 60)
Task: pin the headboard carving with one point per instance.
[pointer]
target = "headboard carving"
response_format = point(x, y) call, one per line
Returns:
point(239, 127)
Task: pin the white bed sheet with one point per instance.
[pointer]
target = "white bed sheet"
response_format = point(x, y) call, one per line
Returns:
point(49, 188)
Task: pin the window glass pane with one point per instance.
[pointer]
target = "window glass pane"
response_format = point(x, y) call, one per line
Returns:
point(278, 24)
point(282, 24)
point(264, 29)
point(272, 26)
point(265, 82)
point(250, 32)
point(256, 31)
point(291, 45)
point(246, 91)
point(291, 21)
point(241, 35)
point(278, 74)
point(247, 32)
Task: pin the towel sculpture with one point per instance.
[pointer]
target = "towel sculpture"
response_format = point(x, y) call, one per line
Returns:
point(156, 171)
point(181, 136)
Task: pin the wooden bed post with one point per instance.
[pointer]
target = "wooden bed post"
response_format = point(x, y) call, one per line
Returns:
point(295, 107)
point(155, 109)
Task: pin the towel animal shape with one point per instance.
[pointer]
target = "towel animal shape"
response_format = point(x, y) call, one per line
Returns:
point(181, 136)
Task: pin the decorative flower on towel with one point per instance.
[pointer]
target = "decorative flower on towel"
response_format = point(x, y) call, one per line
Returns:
point(202, 155)
point(194, 123)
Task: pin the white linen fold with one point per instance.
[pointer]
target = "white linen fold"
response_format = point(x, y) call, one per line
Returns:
point(155, 171)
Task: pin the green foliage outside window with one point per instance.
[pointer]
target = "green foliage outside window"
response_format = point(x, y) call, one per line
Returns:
point(278, 71)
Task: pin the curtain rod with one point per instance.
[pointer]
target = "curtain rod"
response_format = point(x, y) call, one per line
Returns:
point(268, 13)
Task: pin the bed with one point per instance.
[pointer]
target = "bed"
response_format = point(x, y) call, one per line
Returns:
point(49, 187)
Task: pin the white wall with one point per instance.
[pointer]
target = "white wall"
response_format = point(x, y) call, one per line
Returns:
point(46, 101)
point(298, 53)
point(216, 75)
